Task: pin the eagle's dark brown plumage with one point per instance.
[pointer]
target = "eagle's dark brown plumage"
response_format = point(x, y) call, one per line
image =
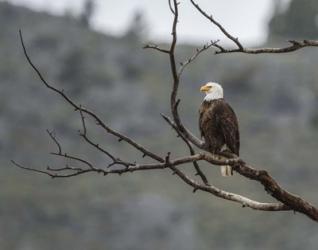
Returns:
point(219, 126)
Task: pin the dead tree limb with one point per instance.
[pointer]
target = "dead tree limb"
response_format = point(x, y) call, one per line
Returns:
point(192, 151)
point(216, 23)
point(78, 107)
point(286, 200)
point(172, 164)
point(294, 45)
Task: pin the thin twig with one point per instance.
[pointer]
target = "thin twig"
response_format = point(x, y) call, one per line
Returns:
point(170, 6)
point(88, 112)
point(295, 45)
point(224, 31)
point(75, 158)
point(156, 47)
point(52, 136)
point(115, 160)
point(195, 55)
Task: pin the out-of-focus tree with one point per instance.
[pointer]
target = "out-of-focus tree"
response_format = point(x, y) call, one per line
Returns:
point(137, 30)
point(87, 13)
point(299, 20)
point(74, 71)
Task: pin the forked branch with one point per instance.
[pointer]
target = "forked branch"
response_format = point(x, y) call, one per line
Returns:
point(286, 200)
point(99, 122)
point(294, 44)
point(292, 201)
point(216, 23)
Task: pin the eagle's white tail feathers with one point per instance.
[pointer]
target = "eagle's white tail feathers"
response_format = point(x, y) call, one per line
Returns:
point(226, 171)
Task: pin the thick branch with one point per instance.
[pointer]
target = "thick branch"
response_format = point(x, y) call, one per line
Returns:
point(246, 202)
point(275, 190)
point(170, 6)
point(173, 97)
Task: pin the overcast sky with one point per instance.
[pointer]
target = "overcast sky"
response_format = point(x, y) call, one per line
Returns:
point(246, 19)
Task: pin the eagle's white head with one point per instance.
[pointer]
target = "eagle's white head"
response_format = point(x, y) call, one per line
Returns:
point(212, 91)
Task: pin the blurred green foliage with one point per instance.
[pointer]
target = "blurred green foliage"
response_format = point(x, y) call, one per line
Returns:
point(299, 21)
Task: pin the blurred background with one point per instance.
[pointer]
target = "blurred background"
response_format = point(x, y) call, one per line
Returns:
point(93, 50)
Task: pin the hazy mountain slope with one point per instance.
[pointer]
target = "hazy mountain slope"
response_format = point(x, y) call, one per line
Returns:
point(275, 98)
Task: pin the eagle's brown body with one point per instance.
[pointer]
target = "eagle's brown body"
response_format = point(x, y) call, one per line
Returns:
point(219, 126)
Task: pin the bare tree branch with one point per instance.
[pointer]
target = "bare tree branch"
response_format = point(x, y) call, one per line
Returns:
point(192, 152)
point(224, 31)
point(287, 201)
point(195, 55)
point(293, 201)
point(246, 202)
point(115, 160)
point(275, 190)
point(156, 47)
point(65, 155)
point(176, 79)
point(131, 168)
point(99, 122)
point(170, 6)
point(295, 45)
point(52, 136)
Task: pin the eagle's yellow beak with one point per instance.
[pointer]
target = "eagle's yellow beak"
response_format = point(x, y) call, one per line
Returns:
point(205, 88)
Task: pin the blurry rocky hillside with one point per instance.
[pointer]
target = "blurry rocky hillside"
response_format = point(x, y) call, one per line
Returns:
point(274, 96)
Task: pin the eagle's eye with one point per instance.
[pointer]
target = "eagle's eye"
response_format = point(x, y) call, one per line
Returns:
point(209, 88)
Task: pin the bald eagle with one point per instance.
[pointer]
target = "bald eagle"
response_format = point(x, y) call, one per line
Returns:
point(218, 124)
